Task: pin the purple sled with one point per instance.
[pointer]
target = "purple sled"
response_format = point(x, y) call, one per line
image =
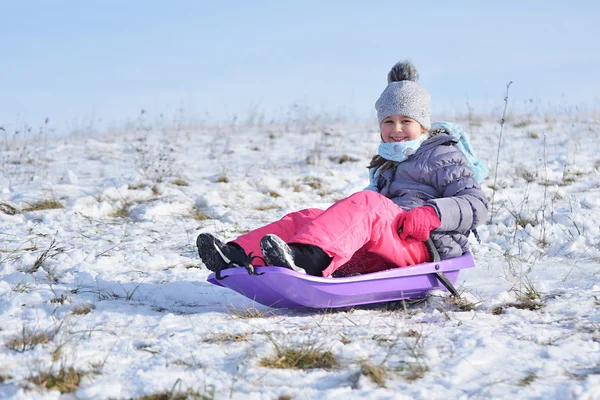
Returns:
point(283, 288)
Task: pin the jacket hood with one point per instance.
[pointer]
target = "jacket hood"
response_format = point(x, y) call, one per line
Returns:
point(437, 140)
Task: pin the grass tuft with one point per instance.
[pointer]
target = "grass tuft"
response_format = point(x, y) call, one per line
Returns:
point(344, 159)
point(65, 380)
point(121, 212)
point(27, 340)
point(222, 179)
point(49, 252)
point(175, 394)
point(8, 209)
point(43, 205)
point(300, 357)
point(199, 215)
point(412, 371)
point(227, 338)
point(82, 309)
point(527, 380)
point(180, 182)
point(250, 312)
point(376, 373)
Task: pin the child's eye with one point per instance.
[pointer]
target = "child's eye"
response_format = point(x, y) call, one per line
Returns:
point(407, 121)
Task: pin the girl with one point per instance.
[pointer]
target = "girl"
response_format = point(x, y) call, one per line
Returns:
point(421, 185)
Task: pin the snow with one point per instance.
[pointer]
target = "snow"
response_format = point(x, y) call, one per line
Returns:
point(122, 248)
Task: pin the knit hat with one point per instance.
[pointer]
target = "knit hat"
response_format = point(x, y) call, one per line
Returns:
point(404, 96)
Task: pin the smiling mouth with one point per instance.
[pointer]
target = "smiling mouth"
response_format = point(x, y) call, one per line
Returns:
point(398, 139)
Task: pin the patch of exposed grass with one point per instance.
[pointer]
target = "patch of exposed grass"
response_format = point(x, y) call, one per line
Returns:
point(266, 207)
point(250, 312)
point(8, 209)
point(412, 371)
point(180, 182)
point(344, 159)
point(199, 215)
point(121, 212)
point(527, 292)
point(49, 252)
point(22, 287)
point(59, 299)
point(462, 304)
point(137, 186)
point(222, 179)
point(65, 380)
point(186, 395)
point(43, 205)
point(4, 378)
point(227, 338)
point(300, 357)
point(376, 373)
point(27, 340)
point(528, 176)
point(522, 123)
point(522, 305)
point(82, 309)
point(528, 379)
point(313, 182)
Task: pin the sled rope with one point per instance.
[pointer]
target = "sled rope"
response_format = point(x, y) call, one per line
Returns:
point(435, 257)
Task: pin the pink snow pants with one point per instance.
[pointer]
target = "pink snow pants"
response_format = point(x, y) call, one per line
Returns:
point(359, 232)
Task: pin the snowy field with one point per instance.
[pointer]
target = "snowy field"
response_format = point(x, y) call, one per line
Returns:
point(102, 294)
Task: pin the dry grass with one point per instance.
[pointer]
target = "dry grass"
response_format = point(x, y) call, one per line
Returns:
point(51, 251)
point(227, 338)
point(43, 205)
point(376, 373)
point(177, 394)
point(27, 340)
point(344, 159)
point(82, 309)
point(65, 380)
point(250, 312)
point(300, 357)
point(266, 207)
point(462, 304)
point(180, 182)
point(187, 395)
point(8, 209)
point(313, 182)
point(527, 380)
point(198, 215)
point(412, 371)
point(521, 305)
point(121, 212)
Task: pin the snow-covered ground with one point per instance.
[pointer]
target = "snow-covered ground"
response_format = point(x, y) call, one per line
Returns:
point(109, 294)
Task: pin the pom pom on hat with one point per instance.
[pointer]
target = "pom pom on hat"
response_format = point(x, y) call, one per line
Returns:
point(403, 71)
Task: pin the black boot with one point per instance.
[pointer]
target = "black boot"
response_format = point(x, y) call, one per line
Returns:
point(216, 255)
point(303, 258)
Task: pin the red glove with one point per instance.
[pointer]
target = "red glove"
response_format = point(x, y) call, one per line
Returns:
point(418, 222)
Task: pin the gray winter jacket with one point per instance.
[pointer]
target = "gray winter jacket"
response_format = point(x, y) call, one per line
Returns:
point(438, 175)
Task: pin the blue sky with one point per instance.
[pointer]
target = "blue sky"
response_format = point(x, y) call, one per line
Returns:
point(73, 61)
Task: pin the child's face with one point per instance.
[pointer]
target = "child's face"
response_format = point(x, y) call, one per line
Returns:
point(399, 128)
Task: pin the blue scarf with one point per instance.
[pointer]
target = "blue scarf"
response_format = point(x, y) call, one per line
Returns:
point(394, 151)
point(400, 151)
